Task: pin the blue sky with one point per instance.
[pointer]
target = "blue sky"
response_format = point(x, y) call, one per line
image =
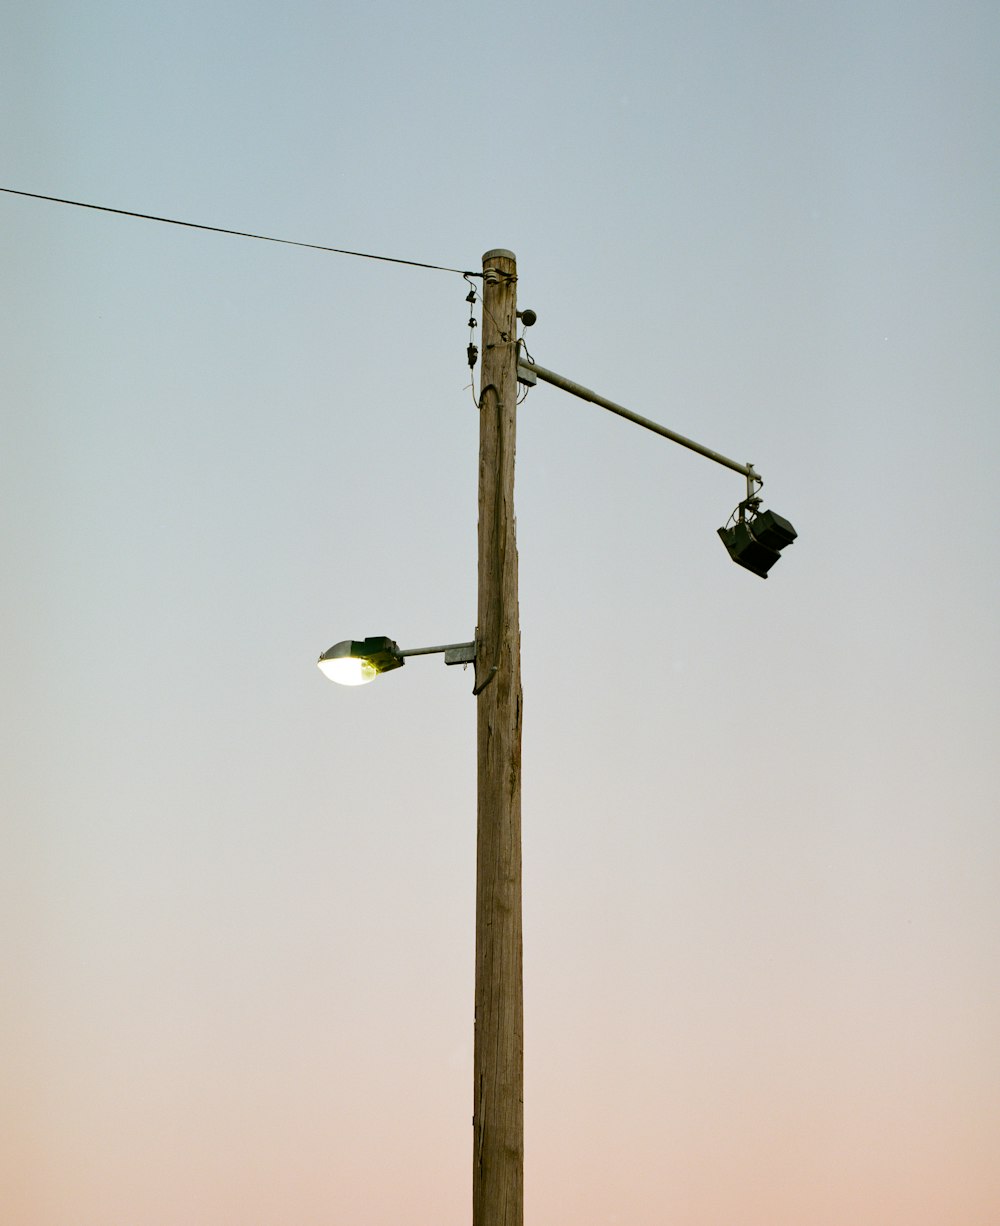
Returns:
point(760, 819)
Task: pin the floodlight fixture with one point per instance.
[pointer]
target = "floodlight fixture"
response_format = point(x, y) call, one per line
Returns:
point(356, 662)
point(756, 542)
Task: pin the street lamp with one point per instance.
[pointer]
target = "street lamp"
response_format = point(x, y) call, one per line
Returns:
point(356, 662)
point(754, 543)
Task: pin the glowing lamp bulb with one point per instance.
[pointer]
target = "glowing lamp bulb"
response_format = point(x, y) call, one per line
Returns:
point(349, 670)
point(357, 663)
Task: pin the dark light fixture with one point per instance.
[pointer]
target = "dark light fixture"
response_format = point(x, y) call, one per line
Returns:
point(756, 542)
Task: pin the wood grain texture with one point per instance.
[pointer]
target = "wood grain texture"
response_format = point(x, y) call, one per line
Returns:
point(498, 1108)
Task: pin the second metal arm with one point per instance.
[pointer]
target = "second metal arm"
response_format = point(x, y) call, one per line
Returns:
point(526, 370)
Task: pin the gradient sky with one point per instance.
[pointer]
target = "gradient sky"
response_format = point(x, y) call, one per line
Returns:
point(761, 837)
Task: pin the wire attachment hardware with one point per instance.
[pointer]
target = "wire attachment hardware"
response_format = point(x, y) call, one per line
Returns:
point(472, 350)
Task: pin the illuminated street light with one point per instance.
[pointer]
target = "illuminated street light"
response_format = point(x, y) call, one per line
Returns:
point(354, 662)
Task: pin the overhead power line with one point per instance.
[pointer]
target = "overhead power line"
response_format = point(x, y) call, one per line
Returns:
point(266, 238)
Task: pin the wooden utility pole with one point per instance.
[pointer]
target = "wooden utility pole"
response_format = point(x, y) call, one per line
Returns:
point(498, 1107)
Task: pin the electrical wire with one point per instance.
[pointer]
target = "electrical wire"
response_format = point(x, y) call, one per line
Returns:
point(267, 238)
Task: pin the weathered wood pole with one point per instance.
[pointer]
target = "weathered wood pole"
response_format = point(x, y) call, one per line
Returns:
point(498, 1107)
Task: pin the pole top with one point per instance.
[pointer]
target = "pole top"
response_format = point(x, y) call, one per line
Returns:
point(499, 253)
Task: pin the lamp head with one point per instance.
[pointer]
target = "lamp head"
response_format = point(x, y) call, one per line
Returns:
point(756, 543)
point(356, 663)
